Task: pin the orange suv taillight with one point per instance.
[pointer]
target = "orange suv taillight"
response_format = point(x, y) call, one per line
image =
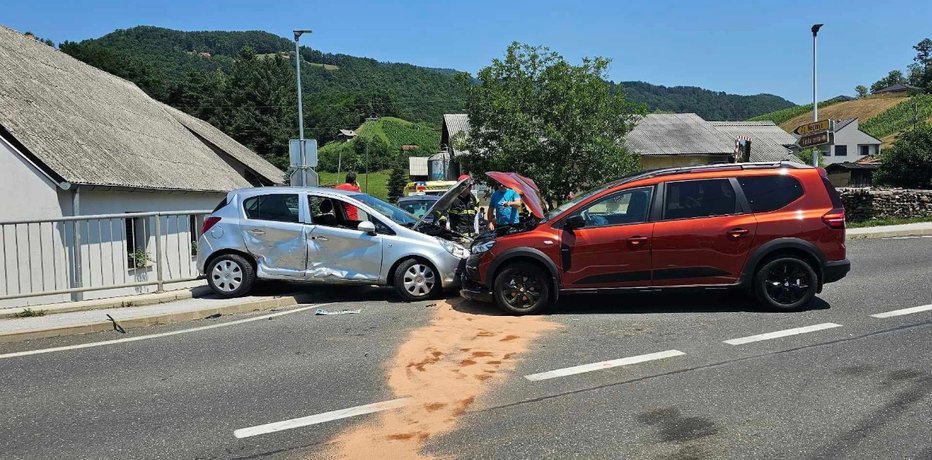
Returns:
point(209, 223)
point(835, 218)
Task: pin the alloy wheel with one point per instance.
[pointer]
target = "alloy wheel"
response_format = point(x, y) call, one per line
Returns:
point(787, 283)
point(227, 275)
point(522, 290)
point(419, 280)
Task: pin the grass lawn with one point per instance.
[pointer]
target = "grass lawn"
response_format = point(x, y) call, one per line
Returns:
point(378, 181)
point(888, 221)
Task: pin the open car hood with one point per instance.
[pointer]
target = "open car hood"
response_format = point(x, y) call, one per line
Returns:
point(525, 187)
point(442, 205)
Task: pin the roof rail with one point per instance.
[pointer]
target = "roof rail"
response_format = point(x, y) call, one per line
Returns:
point(714, 167)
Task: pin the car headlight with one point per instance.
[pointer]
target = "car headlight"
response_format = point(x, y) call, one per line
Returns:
point(454, 249)
point(484, 247)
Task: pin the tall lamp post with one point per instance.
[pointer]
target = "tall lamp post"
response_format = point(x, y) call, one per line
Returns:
point(297, 59)
point(815, 101)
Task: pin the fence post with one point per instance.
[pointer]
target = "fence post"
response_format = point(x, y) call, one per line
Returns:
point(158, 253)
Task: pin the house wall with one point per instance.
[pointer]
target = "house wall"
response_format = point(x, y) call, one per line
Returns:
point(40, 257)
point(670, 161)
point(851, 137)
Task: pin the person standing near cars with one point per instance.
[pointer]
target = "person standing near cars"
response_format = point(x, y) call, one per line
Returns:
point(463, 210)
point(351, 186)
point(504, 207)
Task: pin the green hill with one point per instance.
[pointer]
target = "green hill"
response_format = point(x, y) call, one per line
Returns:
point(384, 138)
point(158, 59)
point(710, 105)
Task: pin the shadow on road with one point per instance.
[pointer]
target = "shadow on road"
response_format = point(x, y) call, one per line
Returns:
point(651, 302)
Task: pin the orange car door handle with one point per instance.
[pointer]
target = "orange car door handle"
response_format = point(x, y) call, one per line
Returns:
point(636, 240)
point(737, 232)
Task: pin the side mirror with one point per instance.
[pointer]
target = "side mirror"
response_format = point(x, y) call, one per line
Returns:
point(574, 222)
point(366, 227)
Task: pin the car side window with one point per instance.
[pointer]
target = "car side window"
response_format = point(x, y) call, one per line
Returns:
point(769, 193)
point(699, 198)
point(624, 207)
point(275, 207)
point(331, 212)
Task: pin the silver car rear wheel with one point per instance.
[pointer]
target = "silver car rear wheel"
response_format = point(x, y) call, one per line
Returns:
point(227, 275)
point(230, 275)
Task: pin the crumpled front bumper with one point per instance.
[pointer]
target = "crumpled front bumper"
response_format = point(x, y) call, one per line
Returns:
point(470, 290)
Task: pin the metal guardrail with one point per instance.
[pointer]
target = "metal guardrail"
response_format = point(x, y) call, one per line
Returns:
point(72, 255)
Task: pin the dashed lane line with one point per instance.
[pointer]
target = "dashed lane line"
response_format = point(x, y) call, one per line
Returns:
point(904, 311)
point(319, 418)
point(603, 365)
point(155, 336)
point(783, 333)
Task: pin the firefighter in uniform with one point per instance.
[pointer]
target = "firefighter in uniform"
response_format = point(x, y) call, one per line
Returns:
point(463, 211)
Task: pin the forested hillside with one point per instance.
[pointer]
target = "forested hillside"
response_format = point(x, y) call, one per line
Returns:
point(710, 105)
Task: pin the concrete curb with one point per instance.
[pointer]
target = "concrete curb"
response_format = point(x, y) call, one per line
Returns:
point(139, 300)
point(876, 232)
point(153, 320)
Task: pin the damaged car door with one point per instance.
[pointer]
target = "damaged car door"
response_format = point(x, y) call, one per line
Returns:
point(274, 234)
point(338, 251)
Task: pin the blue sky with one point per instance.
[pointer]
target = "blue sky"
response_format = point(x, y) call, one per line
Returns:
point(745, 47)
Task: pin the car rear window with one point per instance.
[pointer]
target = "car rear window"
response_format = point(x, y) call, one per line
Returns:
point(833, 194)
point(276, 207)
point(769, 193)
point(221, 205)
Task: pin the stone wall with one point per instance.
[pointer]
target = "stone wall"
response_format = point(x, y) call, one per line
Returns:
point(868, 203)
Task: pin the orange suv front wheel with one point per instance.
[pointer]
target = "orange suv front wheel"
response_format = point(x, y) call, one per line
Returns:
point(522, 289)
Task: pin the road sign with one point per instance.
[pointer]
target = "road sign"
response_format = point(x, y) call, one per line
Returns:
point(823, 125)
point(303, 154)
point(811, 140)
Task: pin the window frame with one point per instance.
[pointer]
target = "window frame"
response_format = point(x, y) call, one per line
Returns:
point(835, 150)
point(659, 209)
point(649, 217)
point(865, 147)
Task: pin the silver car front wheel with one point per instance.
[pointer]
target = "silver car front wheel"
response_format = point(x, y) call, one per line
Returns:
point(416, 280)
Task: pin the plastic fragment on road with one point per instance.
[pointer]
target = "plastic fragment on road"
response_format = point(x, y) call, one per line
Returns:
point(321, 311)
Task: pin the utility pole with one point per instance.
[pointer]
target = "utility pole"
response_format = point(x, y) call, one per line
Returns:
point(297, 59)
point(815, 100)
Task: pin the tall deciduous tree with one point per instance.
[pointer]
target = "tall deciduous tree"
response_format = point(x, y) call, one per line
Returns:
point(892, 78)
point(861, 90)
point(560, 124)
point(909, 162)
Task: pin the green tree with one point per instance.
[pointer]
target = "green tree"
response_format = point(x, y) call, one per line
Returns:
point(560, 124)
point(398, 178)
point(861, 90)
point(920, 72)
point(260, 105)
point(806, 156)
point(908, 163)
point(892, 78)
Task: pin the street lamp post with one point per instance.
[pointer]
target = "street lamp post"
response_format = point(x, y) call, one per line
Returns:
point(297, 59)
point(815, 101)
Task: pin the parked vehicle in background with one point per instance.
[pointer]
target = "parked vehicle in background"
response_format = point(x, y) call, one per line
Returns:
point(305, 234)
point(417, 205)
point(433, 187)
point(776, 230)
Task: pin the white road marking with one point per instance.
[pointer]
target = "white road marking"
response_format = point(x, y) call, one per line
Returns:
point(783, 333)
point(906, 237)
point(155, 336)
point(319, 418)
point(904, 311)
point(603, 365)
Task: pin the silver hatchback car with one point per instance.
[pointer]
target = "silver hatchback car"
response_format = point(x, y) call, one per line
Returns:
point(323, 235)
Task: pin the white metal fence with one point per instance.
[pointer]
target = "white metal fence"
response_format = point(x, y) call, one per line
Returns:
point(73, 255)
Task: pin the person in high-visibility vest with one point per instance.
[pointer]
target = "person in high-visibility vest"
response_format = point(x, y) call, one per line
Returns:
point(463, 211)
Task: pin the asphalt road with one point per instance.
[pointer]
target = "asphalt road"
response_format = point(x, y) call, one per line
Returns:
point(856, 387)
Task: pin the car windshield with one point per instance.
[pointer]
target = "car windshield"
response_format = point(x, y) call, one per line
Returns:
point(398, 215)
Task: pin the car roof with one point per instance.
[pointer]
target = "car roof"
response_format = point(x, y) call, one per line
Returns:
point(327, 191)
point(723, 168)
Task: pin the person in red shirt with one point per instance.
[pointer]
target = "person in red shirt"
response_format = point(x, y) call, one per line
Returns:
point(350, 186)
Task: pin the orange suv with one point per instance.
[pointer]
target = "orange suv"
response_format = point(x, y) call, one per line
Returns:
point(776, 230)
